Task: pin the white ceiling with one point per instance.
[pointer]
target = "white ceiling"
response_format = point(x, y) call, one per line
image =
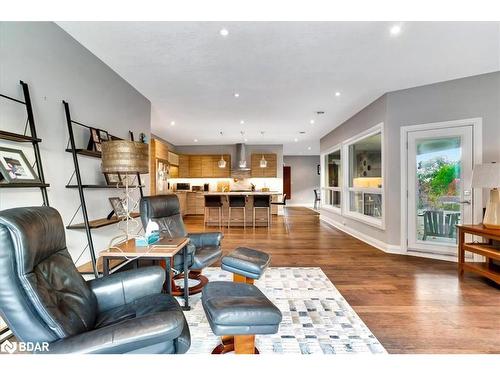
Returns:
point(283, 71)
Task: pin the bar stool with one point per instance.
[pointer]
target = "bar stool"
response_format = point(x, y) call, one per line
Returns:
point(239, 202)
point(262, 202)
point(212, 201)
point(283, 203)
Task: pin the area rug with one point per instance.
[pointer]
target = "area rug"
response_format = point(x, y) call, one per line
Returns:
point(316, 318)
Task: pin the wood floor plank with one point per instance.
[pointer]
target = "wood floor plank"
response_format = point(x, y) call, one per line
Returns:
point(412, 305)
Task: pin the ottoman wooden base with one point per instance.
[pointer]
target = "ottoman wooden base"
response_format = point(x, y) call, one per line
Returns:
point(237, 344)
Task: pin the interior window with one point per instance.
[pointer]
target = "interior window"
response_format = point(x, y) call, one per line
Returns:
point(365, 176)
point(333, 177)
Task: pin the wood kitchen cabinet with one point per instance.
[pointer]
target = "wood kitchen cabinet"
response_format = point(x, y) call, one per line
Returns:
point(183, 166)
point(195, 203)
point(270, 171)
point(203, 166)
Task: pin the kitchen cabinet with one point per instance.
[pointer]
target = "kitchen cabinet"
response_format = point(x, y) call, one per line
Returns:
point(183, 166)
point(195, 166)
point(270, 171)
point(173, 158)
point(182, 195)
point(195, 203)
point(203, 166)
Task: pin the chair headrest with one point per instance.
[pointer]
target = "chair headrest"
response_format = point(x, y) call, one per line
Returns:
point(36, 234)
point(159, 206)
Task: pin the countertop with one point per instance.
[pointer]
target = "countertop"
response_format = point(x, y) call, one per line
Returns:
point(242, 193)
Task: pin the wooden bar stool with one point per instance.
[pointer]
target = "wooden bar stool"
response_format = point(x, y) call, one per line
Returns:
point(262, 202)
point(212, 201)
point(237, 202)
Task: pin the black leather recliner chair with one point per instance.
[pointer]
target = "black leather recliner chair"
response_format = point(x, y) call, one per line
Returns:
point(204, 249)
point(43, 298)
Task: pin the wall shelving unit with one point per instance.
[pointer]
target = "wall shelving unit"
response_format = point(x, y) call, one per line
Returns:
point(89, 225)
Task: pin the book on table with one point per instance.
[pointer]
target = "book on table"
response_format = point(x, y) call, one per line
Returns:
point(168, 243)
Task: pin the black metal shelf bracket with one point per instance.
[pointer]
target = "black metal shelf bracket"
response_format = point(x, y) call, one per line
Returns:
point(72, 148)
point(33, 139)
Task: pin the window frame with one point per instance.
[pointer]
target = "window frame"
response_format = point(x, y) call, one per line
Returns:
point(324, 187)
point(347, 189)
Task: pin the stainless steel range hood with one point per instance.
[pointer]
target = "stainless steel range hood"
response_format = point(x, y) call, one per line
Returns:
point(240, 168)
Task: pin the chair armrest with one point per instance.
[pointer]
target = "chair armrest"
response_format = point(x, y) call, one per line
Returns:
point(206, 239)
point(126, 336)
point(124, 287)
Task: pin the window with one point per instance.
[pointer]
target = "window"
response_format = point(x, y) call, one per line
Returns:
point(364, 180)
point(332, 179)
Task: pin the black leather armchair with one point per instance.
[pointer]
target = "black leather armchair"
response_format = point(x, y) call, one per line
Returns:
point(204, 249)
point(43, 298)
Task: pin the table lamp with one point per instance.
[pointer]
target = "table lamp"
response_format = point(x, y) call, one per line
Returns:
point(127, 158)
point(488, 176)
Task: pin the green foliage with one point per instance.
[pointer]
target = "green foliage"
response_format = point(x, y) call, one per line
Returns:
point(436, 178)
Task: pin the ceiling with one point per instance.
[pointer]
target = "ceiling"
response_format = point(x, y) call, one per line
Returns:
point(284, 72)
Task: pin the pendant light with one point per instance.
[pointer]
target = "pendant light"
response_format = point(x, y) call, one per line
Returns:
point(263, 161)
point(222, 162)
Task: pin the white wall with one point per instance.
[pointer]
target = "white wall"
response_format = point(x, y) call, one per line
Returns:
point(56, 67)
point(304, 179)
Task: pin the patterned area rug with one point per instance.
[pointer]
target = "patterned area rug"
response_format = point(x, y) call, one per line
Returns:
point(316, 318)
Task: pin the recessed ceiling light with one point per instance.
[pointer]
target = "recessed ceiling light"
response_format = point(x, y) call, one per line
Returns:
point(236, 95)
point(395, 30)
point(311, 121)
point(242, 122)
point(172, 123)
point(246, 139)
point(337, 93)
point(195, 140)
point(224, 32)
point(296, 140)
point(309, 148)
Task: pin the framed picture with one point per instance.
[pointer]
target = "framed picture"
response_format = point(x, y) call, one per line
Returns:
point(130, 179)
point(95, 135)
point(112, 178)
point(118, 207)
point(15, 168)
point(103, 136)
point(98, 147)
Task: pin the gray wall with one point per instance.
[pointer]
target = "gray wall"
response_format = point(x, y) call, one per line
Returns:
point(477, 96)
point(57, 67)
point(304, 179)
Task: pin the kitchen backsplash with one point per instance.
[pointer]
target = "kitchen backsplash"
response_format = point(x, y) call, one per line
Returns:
point(274, 184)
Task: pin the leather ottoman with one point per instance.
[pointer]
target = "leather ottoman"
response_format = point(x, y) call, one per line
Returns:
point(238, 312)
point(246, 264)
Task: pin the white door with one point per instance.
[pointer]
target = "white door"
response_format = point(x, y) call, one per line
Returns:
point(439, 175)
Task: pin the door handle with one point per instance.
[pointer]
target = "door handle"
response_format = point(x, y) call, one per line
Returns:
point(465, 202)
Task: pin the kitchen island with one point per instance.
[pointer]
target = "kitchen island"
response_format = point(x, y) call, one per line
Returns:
point(212, 218)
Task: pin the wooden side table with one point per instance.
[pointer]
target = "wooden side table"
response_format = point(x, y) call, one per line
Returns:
point(486, 248)
point(128, 250)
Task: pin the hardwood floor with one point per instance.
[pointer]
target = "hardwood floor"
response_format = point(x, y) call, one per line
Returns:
point(411, 304)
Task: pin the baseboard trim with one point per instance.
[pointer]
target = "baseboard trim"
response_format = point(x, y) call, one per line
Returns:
point(392, 249)
point(385, 247)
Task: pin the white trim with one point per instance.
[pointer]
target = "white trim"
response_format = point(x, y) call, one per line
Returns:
point(337, 147)
point(346, 189)
point(477, 151)
point(386, 248)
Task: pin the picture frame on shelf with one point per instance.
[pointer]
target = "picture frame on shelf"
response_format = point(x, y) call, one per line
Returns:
point(103, 136)
point(15, 168)
point(130, 179)
point(94, 133)
point(113, 178)
point(118, 207)
point(98, 147)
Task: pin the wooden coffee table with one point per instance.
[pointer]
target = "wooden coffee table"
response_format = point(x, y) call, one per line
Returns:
point(128, 250)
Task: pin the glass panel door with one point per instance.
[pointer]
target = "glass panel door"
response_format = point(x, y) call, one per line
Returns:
point(439, 194)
